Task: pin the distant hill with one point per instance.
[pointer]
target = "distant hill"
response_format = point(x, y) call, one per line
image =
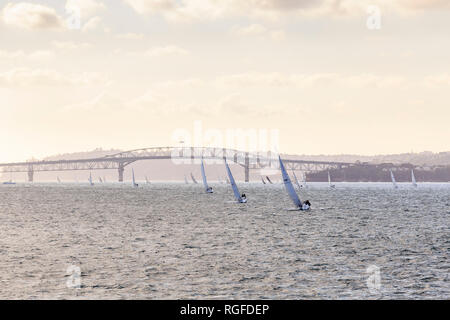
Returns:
point(166, 170)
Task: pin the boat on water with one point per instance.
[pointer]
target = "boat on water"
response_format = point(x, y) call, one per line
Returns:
point(239, 198)
point(193, 179)
point(393, 180)
point(413, 179)
point(185, 180)
point(135, 185)
point(10, 182)
point(146, 180)
point(299, 205)
point(208, 189)
point(268, 179)
point(296, 180)
point(332, 186)
point(262, 179)
point(90, 179)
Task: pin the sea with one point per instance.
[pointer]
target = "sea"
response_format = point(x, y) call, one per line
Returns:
point(174, 241)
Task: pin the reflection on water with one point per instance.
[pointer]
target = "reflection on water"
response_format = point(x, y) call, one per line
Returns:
point(174, 241)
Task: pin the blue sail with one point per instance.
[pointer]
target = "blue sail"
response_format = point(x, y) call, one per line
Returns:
point(205, 183)
point(289, 187)
point(237, 195)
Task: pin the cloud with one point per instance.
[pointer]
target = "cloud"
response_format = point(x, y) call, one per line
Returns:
point(87, 8)
point(188, 10)
point(70, 45)
point(36, 55)
point(25, 77)
point(130, 36)
point(92, 24)
point(257, 30)
point(31, 16)
point(155, 52)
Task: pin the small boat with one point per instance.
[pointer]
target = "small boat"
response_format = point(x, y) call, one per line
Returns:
point(135, 185)
point(290, 189)
point(262, 179)
point(208, 189)
point(239, 198)
point(393, 180)
point(185, 180)
point(146, 180)
point(90, 179)
point(268, 179)
point(296, 180)
point(58, 179)
point(10, 182)
point(413, 178)
point(193, 179)
point(100, 180)
point(329, 181)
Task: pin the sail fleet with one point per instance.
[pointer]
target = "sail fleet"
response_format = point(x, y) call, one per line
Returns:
point(242, 198)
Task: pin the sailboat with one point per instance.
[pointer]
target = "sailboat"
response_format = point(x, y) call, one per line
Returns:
point(205, 183)
point(290, 188)
point(413, 178)
point(100, 179)
point(193, 179)
point(146, 180)
point(185, 180)
point(268, 179)
point(90, 179)
point(393, 180)
point(262, 179)
point(58, 179)
point(329, 181)
point(239, 198)
point(134, 181)
point(296, 180)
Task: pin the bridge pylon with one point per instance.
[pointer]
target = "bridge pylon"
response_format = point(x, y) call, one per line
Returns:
point(121, 169)
point(30, 174)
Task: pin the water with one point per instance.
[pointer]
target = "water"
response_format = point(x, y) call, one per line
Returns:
point(172, 241)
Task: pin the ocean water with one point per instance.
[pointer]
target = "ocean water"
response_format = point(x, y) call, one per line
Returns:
point(173, 241)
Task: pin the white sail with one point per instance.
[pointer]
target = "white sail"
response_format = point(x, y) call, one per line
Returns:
point(134, 181)
point(205, 183)
point(193, 179)
point(289, 187)
point(90, 179)
point(237, 195)
point(59, 180)
point(329, 181)
point(100, 180)
point(413, 178)
point(393, 180)
point(185, 180)
point(296, 180)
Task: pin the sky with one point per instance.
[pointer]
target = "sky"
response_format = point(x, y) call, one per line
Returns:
point(308, 76)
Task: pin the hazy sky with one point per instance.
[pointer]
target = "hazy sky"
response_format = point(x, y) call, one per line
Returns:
point(130, 73)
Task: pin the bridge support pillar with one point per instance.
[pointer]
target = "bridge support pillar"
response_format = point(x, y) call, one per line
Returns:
point(247, 168)
point(30, 174)
point(121, 170)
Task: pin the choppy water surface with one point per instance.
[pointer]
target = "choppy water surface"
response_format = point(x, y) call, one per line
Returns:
point(172, 241)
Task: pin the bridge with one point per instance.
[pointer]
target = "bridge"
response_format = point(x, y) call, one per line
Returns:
point(179, 155)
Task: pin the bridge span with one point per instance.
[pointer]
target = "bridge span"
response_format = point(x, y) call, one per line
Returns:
point(179, 155)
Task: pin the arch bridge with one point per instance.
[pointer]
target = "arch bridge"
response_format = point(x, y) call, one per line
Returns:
point(179, 155)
